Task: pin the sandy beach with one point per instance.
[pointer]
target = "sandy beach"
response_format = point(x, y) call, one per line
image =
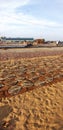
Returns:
point(40, 108)
point(6, 54)
point(31, 64)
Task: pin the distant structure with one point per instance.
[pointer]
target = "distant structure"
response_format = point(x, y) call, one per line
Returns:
point(60, 43)
point(18, 39)
point(39, 41)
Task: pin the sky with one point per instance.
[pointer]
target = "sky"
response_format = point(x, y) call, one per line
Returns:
point(32, 18)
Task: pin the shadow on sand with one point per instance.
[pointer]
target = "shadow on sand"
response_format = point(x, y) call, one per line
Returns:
point(4, 112)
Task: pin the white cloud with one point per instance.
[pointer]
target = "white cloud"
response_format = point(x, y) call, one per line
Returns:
point(12, 23)
point(21, 19)
point(13, 3)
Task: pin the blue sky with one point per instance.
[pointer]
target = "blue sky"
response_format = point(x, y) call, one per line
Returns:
point(32, 18)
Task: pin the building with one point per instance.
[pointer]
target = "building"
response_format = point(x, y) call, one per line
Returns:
point(16, 39)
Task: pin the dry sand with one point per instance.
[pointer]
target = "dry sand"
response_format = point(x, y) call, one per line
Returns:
point(38, 109)
point(6, 54)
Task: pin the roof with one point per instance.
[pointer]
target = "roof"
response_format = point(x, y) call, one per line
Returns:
point(15, 39)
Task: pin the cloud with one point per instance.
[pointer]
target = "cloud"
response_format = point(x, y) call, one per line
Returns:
point(13, 3)
point(13, 23)
point(10, 18)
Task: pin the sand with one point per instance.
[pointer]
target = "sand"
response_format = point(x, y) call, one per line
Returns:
point(6, 54)
point(38, 109)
